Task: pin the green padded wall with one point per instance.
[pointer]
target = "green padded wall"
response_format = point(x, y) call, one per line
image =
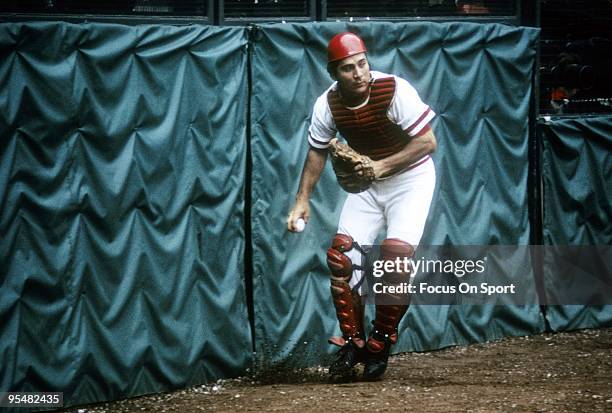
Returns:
point(577, 176)
point(122, 178)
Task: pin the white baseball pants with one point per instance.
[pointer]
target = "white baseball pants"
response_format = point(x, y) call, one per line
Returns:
point(400, 203)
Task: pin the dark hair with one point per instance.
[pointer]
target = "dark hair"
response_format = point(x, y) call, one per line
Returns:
point(332, 68)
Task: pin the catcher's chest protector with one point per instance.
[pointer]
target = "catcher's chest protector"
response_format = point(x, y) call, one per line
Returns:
point(368, 130)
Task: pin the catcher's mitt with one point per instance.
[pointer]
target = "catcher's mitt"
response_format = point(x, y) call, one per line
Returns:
point(344, 160)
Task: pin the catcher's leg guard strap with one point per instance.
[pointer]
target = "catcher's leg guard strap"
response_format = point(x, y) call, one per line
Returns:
point(346, 303)
point(390, 313)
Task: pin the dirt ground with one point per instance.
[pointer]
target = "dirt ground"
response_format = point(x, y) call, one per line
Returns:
point(564, 372)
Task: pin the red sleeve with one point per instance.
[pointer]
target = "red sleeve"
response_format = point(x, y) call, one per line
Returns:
point(423, 131)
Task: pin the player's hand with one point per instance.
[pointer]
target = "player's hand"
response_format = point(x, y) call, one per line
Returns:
point(377, 167)
point(301, 209)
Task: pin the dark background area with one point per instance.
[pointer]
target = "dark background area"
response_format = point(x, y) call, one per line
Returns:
point(576, 56)
point(270, 8)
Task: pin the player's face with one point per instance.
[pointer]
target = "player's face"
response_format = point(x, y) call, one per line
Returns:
point(353, 75)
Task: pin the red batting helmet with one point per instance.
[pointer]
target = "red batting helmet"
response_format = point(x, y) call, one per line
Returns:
point(344, 45)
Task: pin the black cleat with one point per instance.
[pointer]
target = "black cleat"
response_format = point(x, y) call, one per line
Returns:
point(376, 361)
point(346, 358)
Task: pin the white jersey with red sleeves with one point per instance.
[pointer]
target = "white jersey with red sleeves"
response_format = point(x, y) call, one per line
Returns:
point(406, 110)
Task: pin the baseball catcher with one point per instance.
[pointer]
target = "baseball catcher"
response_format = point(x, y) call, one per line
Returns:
point(386, 169)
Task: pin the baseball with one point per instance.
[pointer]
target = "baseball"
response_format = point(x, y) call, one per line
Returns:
point(300, 225)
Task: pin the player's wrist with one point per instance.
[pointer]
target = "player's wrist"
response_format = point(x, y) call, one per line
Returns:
point(381, 169)
point(301, 197)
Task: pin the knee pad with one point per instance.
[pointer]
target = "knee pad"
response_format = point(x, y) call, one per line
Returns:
point(339, 264)
point(393, 248)
point(396, 250)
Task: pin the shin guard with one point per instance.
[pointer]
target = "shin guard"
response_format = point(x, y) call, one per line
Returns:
point(348, 306)
point(391, 308)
